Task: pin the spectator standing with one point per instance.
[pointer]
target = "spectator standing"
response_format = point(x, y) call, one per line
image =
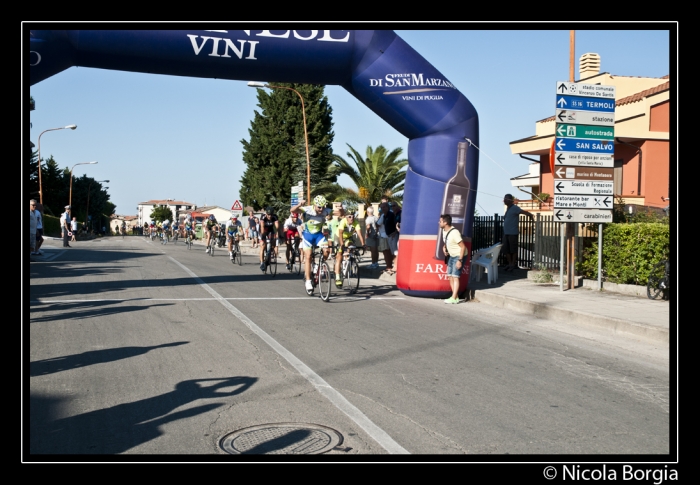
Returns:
point(39, 228)
point(251, 227)
point(510, 231)
point(372, 239)
point(454, 247)
point(65, 226)
point(387, 227)
point(32, 227)
point(73, 228)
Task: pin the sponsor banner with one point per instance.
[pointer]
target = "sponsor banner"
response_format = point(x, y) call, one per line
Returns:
point(420, 274)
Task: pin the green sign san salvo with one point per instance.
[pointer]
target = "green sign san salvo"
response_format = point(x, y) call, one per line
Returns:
point(585, 131)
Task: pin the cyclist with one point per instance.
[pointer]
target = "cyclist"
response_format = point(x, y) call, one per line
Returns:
point(314, 219)
point(210, 227)
point(269, 227)
point(347, 229)
point(166, 230)
point(123, 228)
point(151, 227)
point(292, 234)
point(189, 225)
point(234, 229)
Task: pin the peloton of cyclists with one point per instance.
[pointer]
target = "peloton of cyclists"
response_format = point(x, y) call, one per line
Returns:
point(314, 218)
point(211, 227)
point(269, 228)
point(234, 229)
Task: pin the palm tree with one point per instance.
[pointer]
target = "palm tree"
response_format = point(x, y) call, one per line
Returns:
point(378, 174)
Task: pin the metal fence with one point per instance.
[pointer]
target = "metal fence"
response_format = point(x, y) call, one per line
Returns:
point(539, 240)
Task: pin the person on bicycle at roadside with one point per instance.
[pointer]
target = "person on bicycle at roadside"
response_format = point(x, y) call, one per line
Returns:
point(211, 228)
point(314, 218)
point(292, 235)
point(234, 229)
point(348, 228)
point(269, 228)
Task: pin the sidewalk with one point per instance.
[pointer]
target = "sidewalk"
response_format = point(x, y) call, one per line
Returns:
point(621, 309)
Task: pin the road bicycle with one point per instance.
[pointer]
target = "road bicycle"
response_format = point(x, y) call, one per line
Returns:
point(176, 236)
point(320, 275)
point(270, 258)
point(212, 243)
point(659, 282)
point(350, 270)
point(188, 239)
point(236, 257)
point(164, 236)
point(295, 259)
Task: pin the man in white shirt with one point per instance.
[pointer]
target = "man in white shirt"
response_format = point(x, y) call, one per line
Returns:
point(65, 226)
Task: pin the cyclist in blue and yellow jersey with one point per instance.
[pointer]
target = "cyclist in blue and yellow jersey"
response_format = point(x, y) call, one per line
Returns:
point(348, 228)
point(269, 227)
point(234, 229)
point(211, 227)
point(314, 218)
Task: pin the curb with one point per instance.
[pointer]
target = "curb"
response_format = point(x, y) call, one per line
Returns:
point(615, 325)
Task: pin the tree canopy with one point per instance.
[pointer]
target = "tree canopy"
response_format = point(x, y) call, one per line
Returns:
point(378, 174)
point(161, 213)
point(275, 155)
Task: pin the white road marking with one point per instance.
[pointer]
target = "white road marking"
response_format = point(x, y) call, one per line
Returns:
point(378, 434)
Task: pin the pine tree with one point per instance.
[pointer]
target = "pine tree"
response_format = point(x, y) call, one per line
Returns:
point(276, 144)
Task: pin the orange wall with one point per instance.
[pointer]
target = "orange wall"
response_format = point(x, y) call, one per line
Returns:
point(655, 172)
point(660, 117)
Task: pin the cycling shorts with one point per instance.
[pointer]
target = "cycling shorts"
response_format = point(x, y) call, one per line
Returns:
point(309, 240)
point(268, 235)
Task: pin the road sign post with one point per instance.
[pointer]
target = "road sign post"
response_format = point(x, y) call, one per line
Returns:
point(583, 163)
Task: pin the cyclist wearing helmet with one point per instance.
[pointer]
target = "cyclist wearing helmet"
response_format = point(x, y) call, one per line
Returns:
point(348, 228)
point(269, 227)
point(210, 227)
point(292, 234)
point(189, 224)
point(314, 218)
point(234, 229)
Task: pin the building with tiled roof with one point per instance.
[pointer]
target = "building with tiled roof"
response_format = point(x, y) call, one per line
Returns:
point(642, 155)
point(178, 207)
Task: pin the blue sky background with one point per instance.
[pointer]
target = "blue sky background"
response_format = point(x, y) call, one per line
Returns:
point(160, 137)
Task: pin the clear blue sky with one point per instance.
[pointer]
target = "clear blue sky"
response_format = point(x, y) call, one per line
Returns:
point(159, 137)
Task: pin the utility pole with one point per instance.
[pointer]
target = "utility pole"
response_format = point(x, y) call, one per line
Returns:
point(570, 231)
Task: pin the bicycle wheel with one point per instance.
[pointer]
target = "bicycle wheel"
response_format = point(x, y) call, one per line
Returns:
point(188, 241)
point(296, 263)
point(656, 285)
point(351, 281)
point(273, 263)
point(324, 281)
point(212, 244)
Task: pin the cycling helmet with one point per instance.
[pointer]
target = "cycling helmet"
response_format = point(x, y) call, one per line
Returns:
point(234, 217)
point(319, 201)
point(268, 210)
point(211, 217)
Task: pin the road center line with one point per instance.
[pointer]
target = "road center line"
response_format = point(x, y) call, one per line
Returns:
point(338, 400)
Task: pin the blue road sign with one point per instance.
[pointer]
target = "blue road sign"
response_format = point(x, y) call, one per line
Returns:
point(585, 104)
point(582, 145)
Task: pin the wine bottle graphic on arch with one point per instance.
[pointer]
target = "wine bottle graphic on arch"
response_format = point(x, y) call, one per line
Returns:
point(454, 201)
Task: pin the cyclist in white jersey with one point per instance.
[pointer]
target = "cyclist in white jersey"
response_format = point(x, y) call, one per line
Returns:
point(314, 218)
point(234, 229)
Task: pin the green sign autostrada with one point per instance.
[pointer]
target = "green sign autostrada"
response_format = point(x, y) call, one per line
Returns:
point(566, 130)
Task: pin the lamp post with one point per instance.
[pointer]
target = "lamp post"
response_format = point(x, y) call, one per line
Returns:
point(70, 190)
point(254, 84)
point(87, 207)
point(41, 194)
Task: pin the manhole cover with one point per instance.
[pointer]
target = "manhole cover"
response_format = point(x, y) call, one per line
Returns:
point(282, 439)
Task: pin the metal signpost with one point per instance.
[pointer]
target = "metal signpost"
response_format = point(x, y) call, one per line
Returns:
point(583, 158)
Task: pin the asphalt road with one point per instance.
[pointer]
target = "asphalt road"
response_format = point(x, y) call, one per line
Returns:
point(145, 349)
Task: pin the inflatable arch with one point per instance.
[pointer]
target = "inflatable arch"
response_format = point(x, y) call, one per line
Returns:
point(375, 66)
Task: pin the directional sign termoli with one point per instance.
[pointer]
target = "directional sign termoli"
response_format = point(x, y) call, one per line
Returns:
point(584, 150)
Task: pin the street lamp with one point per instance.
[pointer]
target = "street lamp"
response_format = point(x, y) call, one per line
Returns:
point(254, 84)
point(41, 194)
point(70, 190)
point(87, 207)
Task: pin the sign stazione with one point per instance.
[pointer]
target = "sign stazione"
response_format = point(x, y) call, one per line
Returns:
point(584, 151)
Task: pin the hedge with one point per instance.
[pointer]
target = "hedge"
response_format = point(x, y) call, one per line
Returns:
point(629, 252)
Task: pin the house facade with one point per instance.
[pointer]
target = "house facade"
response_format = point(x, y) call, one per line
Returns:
point(642, 151)
point(178, 207)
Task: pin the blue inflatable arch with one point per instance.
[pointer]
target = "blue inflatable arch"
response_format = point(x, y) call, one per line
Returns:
point(375, 66)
